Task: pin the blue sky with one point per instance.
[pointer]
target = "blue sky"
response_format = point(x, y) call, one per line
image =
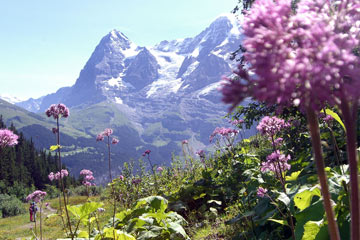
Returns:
point(44, 44)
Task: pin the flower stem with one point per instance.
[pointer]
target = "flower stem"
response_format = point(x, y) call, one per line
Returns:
point(350, 125)
point(313, 126)
point(61, 179)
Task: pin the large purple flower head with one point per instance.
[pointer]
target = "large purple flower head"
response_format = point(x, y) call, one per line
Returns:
point(57, 111)
point(301, 59)
point(36, 196)
point(115, 141)
point(86, 172)
point(223, 132)
point(107, 132)
point(270, 126)
point(147, 152)
point(7, 138)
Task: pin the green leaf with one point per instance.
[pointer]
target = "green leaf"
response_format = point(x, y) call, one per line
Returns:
point(303, 198)
point(202, 195)
point(178, 229)
point(83, 234)
point(214, 201)
point(282, 222)
point(109, 233)
point(335, 116)
point(54, 147)
point(311, 229)
point(284, 198)
point(293, 176)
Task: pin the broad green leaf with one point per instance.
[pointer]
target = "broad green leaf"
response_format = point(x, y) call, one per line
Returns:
point(178, 229)
point(335, 116)
point(282, 222)
point(119, 235)
point(214, 201)
point(202, 195)
point(293, 176)
point(83, 234)
point(311, 229)
point(284, 198)
point(54, 147)
point(303, 199)
point(314, 212)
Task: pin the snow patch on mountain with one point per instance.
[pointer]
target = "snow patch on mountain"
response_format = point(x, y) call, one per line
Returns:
point(208, 89)
point(11, 99)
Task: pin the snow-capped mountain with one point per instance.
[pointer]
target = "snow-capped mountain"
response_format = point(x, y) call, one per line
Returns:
point(166, 93)
point(11, 99)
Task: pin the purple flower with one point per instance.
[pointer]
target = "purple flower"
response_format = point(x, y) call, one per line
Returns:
point(99, 137)
point(107, 132)
point(36, 196)
point(86, 172)
point(55, 130)
point(278, 141)
point(121, 177)
point(303, 59)
point(147, 152)
point(57, 111)
point(64, 173)
point(159, 169)
point(115, 141)
point(224, 132)
point(100, 210)
point(7, 138)
point(184, 142)
point(261, 192)
point(271, 126)
point(274, 161)
point(136, 181)
point(51, 176)
point(201, 153)
point(236, 122)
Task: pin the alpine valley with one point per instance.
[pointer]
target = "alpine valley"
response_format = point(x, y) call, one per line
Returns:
point(152, 97)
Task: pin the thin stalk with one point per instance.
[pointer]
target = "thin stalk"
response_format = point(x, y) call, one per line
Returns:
point(152, 169)
point(112, 187)
point(313, 126)
point(350, 125)
point(61, 179)
point(40, 222)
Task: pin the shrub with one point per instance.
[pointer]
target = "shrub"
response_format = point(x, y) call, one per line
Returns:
point(10, 206)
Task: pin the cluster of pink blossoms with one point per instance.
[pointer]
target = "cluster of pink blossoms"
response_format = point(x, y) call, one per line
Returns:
point(57, 176)
point(106, 133)
point(88, 177)
point(303, 59)
point(57, 110)
point(236, 122)
point(276, 162)
point(7, 138)
point(224, 132)
point(147, 152)
point(271, 126)
point(36, 196)
point(261, 192)
point(159, 169)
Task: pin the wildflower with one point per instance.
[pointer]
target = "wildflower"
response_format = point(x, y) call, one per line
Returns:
point(271, 126)
point(261, 192)
point(51, 176)
point(201, 153)
point(159, 169)
point(121, 177)
point(147, 152)
point(114, 141)
point(86, 172)
point(88, 176)
point(36, 196)
point(185, 142)
point(276, 162)
point(236, 122)
point(107, 132)
point(100, 210)
point(224, 132)
point(99, 137)
point(57, 111)
point(278, 141)
point(64, 173)
point(55, 130)
point(7, 138)
point(136, 181)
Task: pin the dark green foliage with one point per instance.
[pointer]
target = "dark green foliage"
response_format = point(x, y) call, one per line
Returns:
point(23, 168)
point(10, 206)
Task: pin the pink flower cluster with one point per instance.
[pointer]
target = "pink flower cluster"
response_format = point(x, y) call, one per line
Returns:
point(57, 176)
point(276, 162)
point(271, 126)
point(36, 196)
point(88, 177)
point(106, 133)
point(224, 132)
point(57, 111)
point(236, 122)
point(301, 59)
point(261, 192)
point(7, 138)
point(159, 169)
point(184, 142)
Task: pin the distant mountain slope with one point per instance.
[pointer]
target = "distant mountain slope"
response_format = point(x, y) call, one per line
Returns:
point(153, 96)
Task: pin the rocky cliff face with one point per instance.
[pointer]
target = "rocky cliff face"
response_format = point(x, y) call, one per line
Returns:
point(168, 92)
